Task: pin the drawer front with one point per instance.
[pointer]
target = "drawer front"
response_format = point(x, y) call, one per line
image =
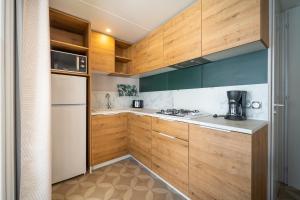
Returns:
point(170, 159)
point(173, 128)
point(141, 121)
point(109, 138)
point(219, 164)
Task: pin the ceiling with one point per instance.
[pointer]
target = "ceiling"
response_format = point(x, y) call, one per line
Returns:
point(129, 20)
point(286, 4)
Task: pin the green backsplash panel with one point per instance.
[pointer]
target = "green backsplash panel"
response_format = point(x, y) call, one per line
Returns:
point(247, 69)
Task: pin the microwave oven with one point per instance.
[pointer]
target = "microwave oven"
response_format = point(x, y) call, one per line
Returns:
point(68, 62)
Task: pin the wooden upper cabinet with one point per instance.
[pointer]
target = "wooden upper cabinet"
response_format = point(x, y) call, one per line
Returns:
point(102, 55)
point(155, 50)
point(140, 56)
point(232, 23)
point(182, 36)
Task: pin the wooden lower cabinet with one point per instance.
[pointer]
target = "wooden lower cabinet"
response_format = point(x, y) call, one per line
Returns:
point(227, 165)
point(173, 128)
point(109, 137)
point(170, 159)
point(139, 129)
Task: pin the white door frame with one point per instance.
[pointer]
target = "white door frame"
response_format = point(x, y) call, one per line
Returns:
point(7, 88)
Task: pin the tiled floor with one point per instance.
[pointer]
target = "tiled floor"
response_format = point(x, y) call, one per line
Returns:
point(288, 193)
point(125, 180)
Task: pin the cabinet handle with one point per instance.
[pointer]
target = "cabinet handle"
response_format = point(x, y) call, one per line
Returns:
point(168, 136)
point(217, 129)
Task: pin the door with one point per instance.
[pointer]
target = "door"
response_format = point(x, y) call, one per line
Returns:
point(109, 137)
point(102, 56)
point(139, 129)
point(182, 39)
point(293, 97)
point(219, 164)
point(170, 159)
point(68, 141)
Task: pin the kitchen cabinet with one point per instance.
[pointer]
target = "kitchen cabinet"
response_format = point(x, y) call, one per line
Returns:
point(140, 56)
point(109, 138)
point(139, 128)
point(102, 56)
point(227, 165)
point(182, 36)
point(234, 23)
point(170, 159)
point(176, 129)
point(155, 51)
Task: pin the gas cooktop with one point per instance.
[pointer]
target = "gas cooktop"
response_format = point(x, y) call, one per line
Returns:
point(181, 113)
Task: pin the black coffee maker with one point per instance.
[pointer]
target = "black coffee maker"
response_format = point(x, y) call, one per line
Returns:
point(237, 105)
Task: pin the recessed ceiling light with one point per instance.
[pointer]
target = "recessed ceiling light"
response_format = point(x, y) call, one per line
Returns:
point(108, 30)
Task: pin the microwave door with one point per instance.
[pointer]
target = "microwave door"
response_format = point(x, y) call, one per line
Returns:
point(64, 61)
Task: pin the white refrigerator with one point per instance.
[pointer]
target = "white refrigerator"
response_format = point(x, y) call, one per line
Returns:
point(68, 126)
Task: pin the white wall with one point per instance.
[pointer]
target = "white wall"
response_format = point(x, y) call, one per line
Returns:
point(103, 84)
point(294, 98)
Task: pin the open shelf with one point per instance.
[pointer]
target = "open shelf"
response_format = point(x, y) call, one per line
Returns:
point(122, 59)
point(55, 44)
point(122, 44)
point(120, 74)
point(54, 71)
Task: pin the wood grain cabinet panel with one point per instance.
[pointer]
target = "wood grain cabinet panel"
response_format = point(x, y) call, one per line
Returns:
point(173, 128)
point(182, 36)
point(139, 128)
point(170, 159)
point(227, 165)
point(155, 51)
point(140, 56)
point(109, 138)
point(102, 56)
point(232, 23)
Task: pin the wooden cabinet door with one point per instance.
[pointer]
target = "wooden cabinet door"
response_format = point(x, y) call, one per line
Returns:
point(139, 128)
point(182, 36)
point(219, 164)
point(109, 137)
point(102, 56)
point(230, 23)
point(170, 159)
point(140, 56)
point(155, 50)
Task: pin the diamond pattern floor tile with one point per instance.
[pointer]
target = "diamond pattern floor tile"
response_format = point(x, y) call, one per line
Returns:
point(125, 180)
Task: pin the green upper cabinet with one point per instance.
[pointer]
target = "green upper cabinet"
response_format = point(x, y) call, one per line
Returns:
point(234, 23)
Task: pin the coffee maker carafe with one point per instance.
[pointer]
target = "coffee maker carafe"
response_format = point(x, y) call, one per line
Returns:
point(236, 105)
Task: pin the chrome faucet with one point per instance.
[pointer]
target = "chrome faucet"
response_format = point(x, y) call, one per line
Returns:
point(108, 103)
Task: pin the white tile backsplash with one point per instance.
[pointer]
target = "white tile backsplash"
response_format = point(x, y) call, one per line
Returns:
point(210, 100)
point(99, 101)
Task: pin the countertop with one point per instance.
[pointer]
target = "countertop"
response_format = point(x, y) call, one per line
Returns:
point(249, 126)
